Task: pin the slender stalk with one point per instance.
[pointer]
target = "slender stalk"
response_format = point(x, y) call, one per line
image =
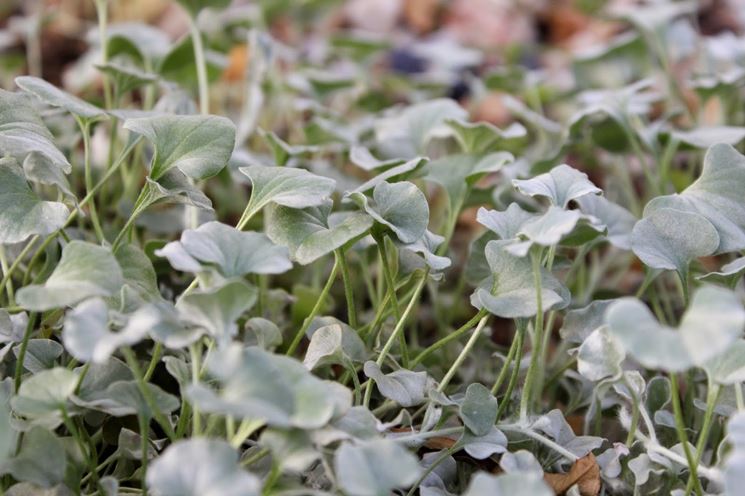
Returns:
point(9, 272)
point(22, 351)
point(711, 401)
point(85, 128)
point(680, 430)
point(521, 330)
point(394, 335)
point(195, 352)
point(317, 308)
point(453, 336)
point(508, 359)
point(541, 439)
point(462, 356)
point(390, 284)
point(103, 15)
point(348, 289)
point(157, 353)
point(201, 63)
point(134, 365)
point(144, 423)
point(437, 461)
point(535, 354)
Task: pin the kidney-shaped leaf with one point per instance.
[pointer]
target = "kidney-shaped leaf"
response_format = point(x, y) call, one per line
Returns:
point(617, 219)
point(715, 195)
point(22, 131)
point(84, 270)
point(198, 145)
point(294, 188)
point(712, 323)
point(44, 392)
point(51, 95)
point(374, 468)
point(512, 484)
point(201, 467)
point(671, 239)
point(479, 409)
point(600, 355)
point(335, 343)
point(235, 253)
point(277, 389)
point(402, 207)
point(405, 387)
point(560, 185)
point(312, 232)
point(510, 291)
point(215, 310)
point(86, 333)
point(41, 460)
point(22, 212)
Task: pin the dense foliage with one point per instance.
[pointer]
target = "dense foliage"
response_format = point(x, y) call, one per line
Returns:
point(349, 285)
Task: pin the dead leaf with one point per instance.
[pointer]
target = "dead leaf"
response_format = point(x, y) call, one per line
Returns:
point(585, 473)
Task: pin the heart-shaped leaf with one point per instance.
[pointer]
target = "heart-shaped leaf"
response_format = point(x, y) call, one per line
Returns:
point(334, 344)
point(86, 333)
point(201, 466)
point(479, 409)
point(22, 213)
point(407, 132)
point(260, 385)
point(294, 188)
point(51, 95)
point(373, 468)
point(600, 355)
point(22, 131)
point(671, 239)
point(619, 221)
point(401, 207)
point(510, 291)
point(124, 398)
point(313, 232)
point(478, 138)
point(405, 387)
point(514, 484)
point(41, 460)
point(716, 195)
point(482, 447)
point(216, 310)
point(233, 252)
point(84, 270)
point(198, 145)
point(45, 392)
point(560, 185)
point(712, 323)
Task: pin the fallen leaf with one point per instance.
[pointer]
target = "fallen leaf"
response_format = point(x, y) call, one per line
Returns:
point(585, 473)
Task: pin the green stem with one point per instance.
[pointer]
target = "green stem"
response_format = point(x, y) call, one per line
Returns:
point(196, 38)
point(134, 365)
point(9, 272)
point(394, 335)
point(85, 128)
point(390, 283)
point(462, 356)
point(541, 439)
point(711, 401)
point(526, 399)
point(680, 430)
point(317, 308)
point(521, 330)
point(102, 13)
point(508, 359)
point(245, 429)
point(144, 423)
point(22, 351)
point(449, 338)
point(348, 289)
point(195, 352)
point(157, 353)
point(441, 458)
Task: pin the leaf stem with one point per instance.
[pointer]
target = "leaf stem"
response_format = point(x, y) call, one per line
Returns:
point(8, 273)
point(201, 63)
point(348, 289)
point(680, 430)
point(317, 308)
point(535, 354)
point(508, 359)
point(134, 365)
point(22, 351)
point(85, 128)
point(462, 356)
point(447, 339)
point(394, 335)
point(712, 396)
point(521, 330)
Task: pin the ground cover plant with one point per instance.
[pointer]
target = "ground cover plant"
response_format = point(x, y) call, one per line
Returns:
point(238, 264)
